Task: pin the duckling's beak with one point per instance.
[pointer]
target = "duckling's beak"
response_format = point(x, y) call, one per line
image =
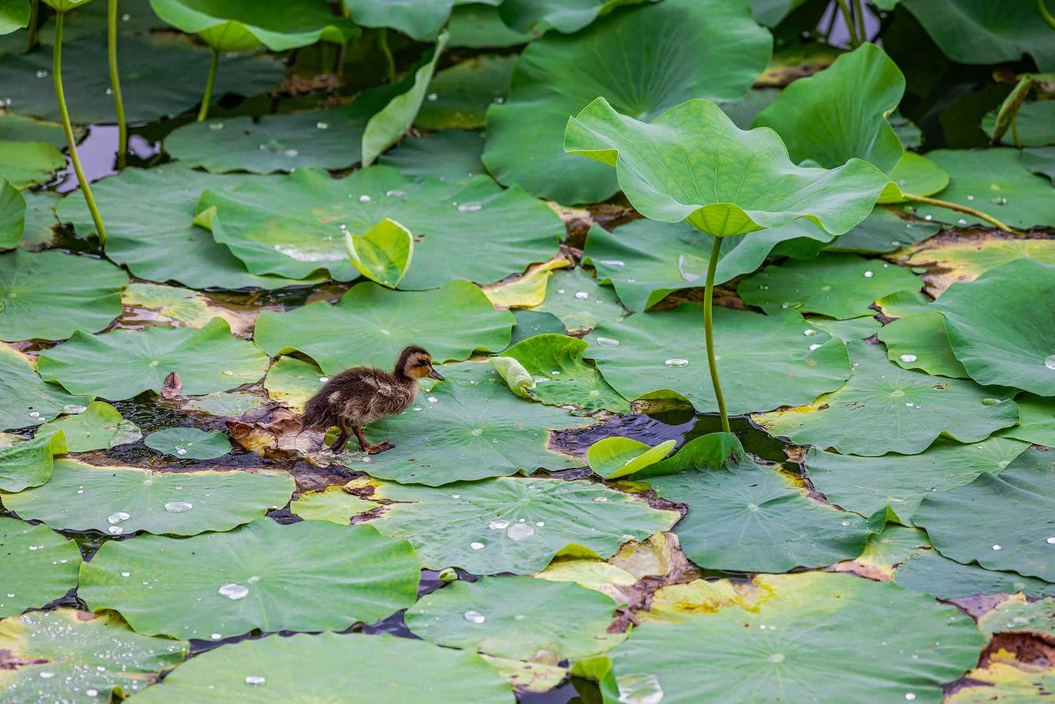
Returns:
point(433, 374)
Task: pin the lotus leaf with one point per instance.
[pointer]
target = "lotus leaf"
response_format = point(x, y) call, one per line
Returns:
point(1004, 682)
point(904, 304)
point(124, 500)
point(98, 427)
point(1010, 343)
point(947, 579)
point(847, 330)
point(14, 15)
point(884, 408)
point(921, 342)
point(576, 298)
point(18, 128)
point(383, 254)
point(477, 526)
point(473, 429)
point(885, 230)
point(165, 246)
point(1040, 161)
point(29, 163)
point(38, 565)
point(952, 259)
point(884, 551)
point(522, 618)
point(12, 215)
point(421, 19)
point(549, 368)
point(189, 443)
point(355, 669)
point(27, 400)
point(530, 323)
point(308, 576)
point(479, 26)
point(899, 482)
point(238, 25)
point(767, 360)
point(1033, 125)
point(1012, 518)
point(1036, 421)
point(371, 325)
point(159, 78)
point(123, 363)
point(26, 463)
point(815, 624)
point(565, 16)
point(686, 48)
point(451, 155)
point(1018, 615)
point(295, 226)
point(292, 381)
point(50, 295)
point(617, 457)
point(57, 653)
point(771, 12)
point(224, 404)
point(459, 96)
point(179, 307)
point(332, 504)
point(837, 285)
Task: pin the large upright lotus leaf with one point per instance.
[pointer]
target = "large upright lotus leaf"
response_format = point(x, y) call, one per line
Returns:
point(837, 285)
point(124, 500)
point(353, 669)
point(1002, 326)
point(308, 576)
point(578, 300)
point(189, 443)
point(449, 155)
point(692, 163)
point(686, 48)
point(952, 258)
point(647, 260)
point(565, 16)
point(1040, 161)
point(884, 408)
point(750, 518)
point(520, 618)
point(296, 226)
point(816, 628)
point(25, 463)
point(1011, 522)
point(371, 324)
point(868, 484)
point(458, 97)
point(979, 32)
point(1034, 125)
point(947, 579)
point(468, 427)
point(165, 246)
point(25, 399)
point(47, 296)
point(120, 364)
point(479, 26)
point(421, 19)
point(160, 76)
point(73, 655)
point(12, 215)
point(921, 342)
point(514, 525)
point(766, 361)
point(557, 375)
point(38, 565)
point(279, 25)
point(100, 426)
point(14, 15)
point(840, 113)
point(994, 181)
point(29, 163)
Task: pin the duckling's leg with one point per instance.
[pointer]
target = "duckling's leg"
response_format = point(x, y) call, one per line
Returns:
point(342, 439)
point(368, 448)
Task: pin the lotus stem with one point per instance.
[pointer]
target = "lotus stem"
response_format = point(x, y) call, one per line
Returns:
point(390, 61)
point(342, 52)
point(849, 20)
point(34, 18)
point(209, 82)
point(86, 189)
point(708, 329)
point(1048, 17)
point(115, 82)
point(1014, 132)
point(960, 209)
point(862, 28)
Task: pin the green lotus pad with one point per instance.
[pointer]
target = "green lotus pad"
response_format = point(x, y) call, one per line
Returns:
point(549, 368)
point(100, 426)
point(29, 163)
point(687, 48)
point(616, 457)
point(383, 254)
point(25, 463)
point(328, 578)
point(953, 259)
point(353, 668)
point(123, 363)
point(1036, 421)
point(538, 16)
point(421, 19)
point(816, 625)
point(125, 500)
point(847, 330)
point(478, 26)
point(48, 296)
point(12, 215)
point(1018, 615)
point(460, 95)
point(160, 76)
point(39, 566)
point(921, 342)
point(692, 163)
point(165, 246)
point(240, 25)
point(189, 443)
point(178, 307)
point(994, 181)
point(1003, 681)
point(520, 618)
point(1033, 125)
point(372, 324)
point(900, 482)
point(514, 525)
point(1012, 522)
point(837, 285)
point(296, 226)
point(1013, 343)
point(53, 654)
point(451, 155)
point(332, 504)
point(947, 579)
point(25, 399)
point(14, 15)
point(1040, 161)
point(292, 381)
point(578, 300)
point(468, 427)
point(884, 408)
point(765, 361)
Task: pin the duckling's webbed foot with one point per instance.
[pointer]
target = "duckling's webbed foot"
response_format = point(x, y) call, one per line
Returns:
point(340, 443)
point(379, 447)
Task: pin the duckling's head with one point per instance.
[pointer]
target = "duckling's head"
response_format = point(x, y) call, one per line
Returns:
point(415, 363)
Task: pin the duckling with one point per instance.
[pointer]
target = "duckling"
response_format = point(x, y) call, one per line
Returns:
point(362, 395)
